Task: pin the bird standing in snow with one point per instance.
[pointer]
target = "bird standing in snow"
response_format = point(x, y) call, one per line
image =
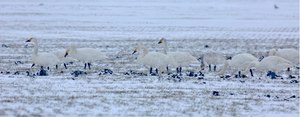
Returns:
point(43, 59)
point(182, 59)
point(86, 55)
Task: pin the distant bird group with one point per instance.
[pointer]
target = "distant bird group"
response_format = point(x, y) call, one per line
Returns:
point(48, 59)
point(242, 64)
point(277, 60)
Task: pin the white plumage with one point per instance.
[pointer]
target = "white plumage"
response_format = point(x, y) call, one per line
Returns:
point(42, 59)
point(86, 55)
point(181, 59)
point(289, 54)
point(273, 63)
point(152, 59)
point(63, 60)
point(214, 58)
point(242, 62)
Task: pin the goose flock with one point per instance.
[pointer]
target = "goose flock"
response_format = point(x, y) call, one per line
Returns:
point(244, 64)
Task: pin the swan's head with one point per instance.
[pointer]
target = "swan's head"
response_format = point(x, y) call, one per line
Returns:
point(31, 39)
point(228, 57)
point(261, 58)
point(138, 48)
point(67, 53)
point(70, 50)
point(135, 50)
point(162, 40)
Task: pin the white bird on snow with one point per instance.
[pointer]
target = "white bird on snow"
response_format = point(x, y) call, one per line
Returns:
point(43, 59)
point(152, 59)
point(182, 59)
point(86, 55)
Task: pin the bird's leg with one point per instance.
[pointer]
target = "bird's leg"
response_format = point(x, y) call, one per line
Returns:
point(89, 65)
point(180, 69)
point(177, 69)
point(32, 69)
point(167, 69)
point(65, 66)
point(150, 70)
point(288, 69)
point(159, 76)
point(215, 68)
point(84, 65)
point(156, 71)
point(239, 74)
point(56, 66)
point(159, 73)
point(251, 72)
point(209, 68)
point(202, 66)
point(28, 73)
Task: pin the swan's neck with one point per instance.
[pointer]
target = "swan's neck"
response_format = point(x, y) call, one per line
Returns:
point(35, 51)
point(165, 47)
point(145, 51)
point(202, 61)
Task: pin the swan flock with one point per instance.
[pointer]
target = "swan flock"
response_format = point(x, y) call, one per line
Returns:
point(277, 61)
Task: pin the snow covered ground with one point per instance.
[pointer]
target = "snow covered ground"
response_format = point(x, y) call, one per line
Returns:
point(115, 27)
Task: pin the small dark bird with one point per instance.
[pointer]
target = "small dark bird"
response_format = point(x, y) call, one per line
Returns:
point(43, 72)
point(77, 73)
point(206, 46)
point(17, 73)
point(275, 6)
point(4, 46)
point(272, 74)
point(216, 93)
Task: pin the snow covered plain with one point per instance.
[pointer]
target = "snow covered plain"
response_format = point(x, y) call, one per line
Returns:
point(228, 26)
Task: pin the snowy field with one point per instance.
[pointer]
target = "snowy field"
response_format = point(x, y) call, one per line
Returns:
point(115, 27)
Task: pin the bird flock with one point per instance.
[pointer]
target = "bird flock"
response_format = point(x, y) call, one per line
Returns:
point(242, 65)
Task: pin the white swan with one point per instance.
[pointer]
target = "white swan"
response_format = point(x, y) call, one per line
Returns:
point(86, 55)
point(42, 59)
point(273, 63)
point(242, 63)
point(214, 58)
point(289, 54)
point(152, 59)
point(182, 59)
